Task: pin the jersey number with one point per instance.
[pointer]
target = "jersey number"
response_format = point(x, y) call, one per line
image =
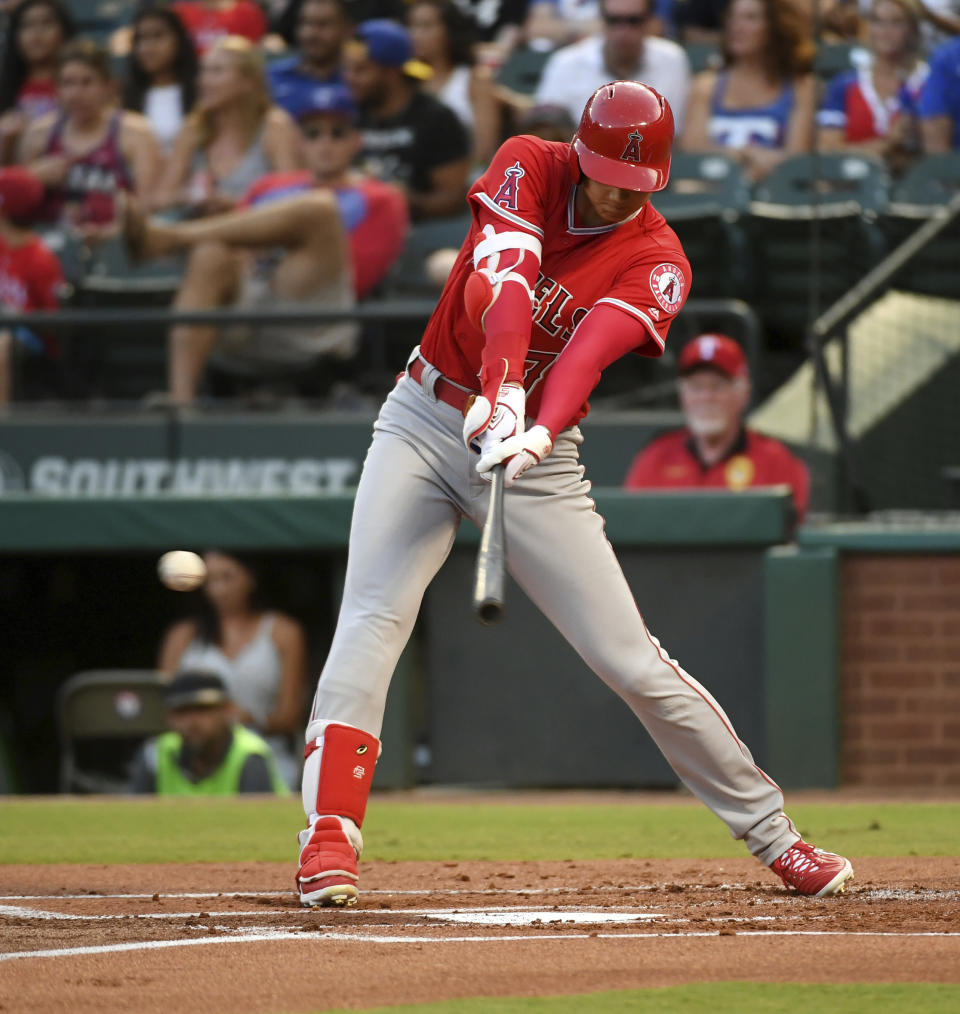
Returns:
point(535, 367)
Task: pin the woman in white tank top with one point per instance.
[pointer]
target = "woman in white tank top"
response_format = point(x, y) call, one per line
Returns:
point(260, 655)
point(161, 73)
point(443, 37)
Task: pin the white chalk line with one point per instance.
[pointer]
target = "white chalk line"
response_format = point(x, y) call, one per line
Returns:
point(43, 913)
point(373, 938)
point(366, 891)
point(391, 892)
point(881, 894)
point(491, 916)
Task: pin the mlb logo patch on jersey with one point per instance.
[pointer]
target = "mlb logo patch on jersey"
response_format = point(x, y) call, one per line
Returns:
point(667, 284)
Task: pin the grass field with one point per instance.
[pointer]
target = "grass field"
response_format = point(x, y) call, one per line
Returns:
point(168, 830)
point(717, 998)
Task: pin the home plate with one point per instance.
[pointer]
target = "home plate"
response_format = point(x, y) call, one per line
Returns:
point(527, 917)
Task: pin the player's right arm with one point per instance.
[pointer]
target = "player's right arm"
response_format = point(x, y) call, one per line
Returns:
point(508, 208)
point(633, 317)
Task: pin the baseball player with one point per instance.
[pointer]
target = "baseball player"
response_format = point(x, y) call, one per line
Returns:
point(566, 268)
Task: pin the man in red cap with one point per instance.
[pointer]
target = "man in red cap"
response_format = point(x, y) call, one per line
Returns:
point(566, 267)
point(715, 449)
point(30, 275)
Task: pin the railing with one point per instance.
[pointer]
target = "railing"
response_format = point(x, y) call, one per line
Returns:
point(702, 314)
point(832, 324)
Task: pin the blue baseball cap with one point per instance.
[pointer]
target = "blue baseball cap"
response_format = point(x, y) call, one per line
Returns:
point(388, 43)
point(328, 99)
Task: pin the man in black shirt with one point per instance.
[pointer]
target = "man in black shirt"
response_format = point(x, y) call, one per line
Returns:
point(409, 138)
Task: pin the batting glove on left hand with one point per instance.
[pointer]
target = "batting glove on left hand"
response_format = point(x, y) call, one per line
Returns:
point(486, 424)
point(520, 453)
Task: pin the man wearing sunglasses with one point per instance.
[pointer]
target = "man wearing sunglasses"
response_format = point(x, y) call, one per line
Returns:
point(624, 50)
point(322, 236)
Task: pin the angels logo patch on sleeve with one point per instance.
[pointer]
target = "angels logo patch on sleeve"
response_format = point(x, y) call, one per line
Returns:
point(506, 196)
point(667, 285)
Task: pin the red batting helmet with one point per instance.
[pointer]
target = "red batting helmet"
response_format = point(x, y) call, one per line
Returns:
point(624, 138)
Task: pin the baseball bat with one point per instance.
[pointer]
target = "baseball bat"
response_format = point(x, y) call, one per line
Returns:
point(489, 575)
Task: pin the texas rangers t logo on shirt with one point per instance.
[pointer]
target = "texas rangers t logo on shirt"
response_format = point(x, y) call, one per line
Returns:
point(507, 194)
point(632, 151)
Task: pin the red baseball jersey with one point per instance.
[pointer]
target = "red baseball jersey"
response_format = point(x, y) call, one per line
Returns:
point(30, 276)
point(30, 279)
point(37, 97)
point(207, 24)
point(671, 461)
point(637, 266)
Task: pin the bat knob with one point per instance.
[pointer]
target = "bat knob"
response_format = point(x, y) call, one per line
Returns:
point(490, 612)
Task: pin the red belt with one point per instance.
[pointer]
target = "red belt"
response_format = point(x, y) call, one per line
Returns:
point(445, 390)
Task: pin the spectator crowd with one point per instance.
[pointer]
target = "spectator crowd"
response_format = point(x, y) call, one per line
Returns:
point(280, 150)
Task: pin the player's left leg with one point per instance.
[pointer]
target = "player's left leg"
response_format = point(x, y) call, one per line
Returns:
point(556, 541)
point(405, 517)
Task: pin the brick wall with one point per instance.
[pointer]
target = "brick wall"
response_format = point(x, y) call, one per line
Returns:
point(900, 670)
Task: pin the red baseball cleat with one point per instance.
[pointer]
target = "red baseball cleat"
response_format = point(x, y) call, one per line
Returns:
point(812, 871)
point(328, 863)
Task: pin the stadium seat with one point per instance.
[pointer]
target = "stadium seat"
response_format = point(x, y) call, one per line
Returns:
point(98, 19)
point(842, 194)
point(71, 252)
point(703, 204)
point(103, 716)
point(827, 179)
point(122, 362)
point(926, 188)
point(408, 276)
point(834, 57)
point(109, 271)
point(702, 56)
point(522, 69)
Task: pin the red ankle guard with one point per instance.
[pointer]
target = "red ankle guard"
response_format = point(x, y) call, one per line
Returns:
point(347, 761)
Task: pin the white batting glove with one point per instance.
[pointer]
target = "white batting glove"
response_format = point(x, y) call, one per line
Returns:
point(520, 453)
point(485, 425)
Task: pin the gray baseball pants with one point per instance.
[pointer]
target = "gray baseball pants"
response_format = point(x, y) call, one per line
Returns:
point(418, 481)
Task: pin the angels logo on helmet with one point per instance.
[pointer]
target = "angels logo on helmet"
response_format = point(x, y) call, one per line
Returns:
point(632, 151)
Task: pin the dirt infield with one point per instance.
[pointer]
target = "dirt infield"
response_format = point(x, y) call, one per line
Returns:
point(211, 938)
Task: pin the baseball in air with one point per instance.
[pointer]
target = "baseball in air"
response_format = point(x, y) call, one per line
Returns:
point(181, 570)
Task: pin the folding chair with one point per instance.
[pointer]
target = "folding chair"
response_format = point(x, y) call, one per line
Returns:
point(117, 707)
